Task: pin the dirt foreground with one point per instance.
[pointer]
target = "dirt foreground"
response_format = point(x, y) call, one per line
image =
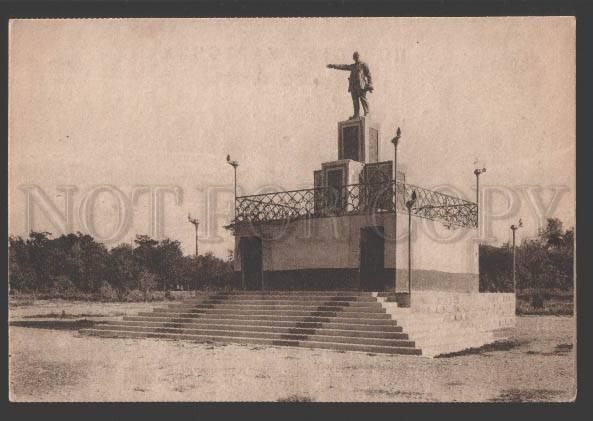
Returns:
point(537, 364)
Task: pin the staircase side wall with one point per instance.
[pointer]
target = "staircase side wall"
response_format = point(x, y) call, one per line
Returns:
point(445, 322)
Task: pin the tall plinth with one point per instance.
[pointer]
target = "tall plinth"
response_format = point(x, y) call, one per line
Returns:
point(358, 140)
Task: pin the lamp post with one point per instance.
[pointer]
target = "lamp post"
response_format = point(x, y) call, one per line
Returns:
point(195, 223)
point(234, 164)
point(410, 204)
point(395, 142)
point(477, 172)
point(515, 228)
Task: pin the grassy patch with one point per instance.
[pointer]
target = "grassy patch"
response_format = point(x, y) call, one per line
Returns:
point(296, 398)
point(526, 395)
point(505, 345)
point(394, 393)
point(454, 384)
point(554, 303)
point(64, 315)
point(560, 349)
point(55, 324)
point(134, 296)
point(15, 302)
point(183, 388)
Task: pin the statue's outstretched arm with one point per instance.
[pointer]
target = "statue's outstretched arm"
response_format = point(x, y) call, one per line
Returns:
point(347, 67)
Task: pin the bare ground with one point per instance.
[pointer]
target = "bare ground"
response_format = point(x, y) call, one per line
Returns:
point(537, 364)
point(64, 309)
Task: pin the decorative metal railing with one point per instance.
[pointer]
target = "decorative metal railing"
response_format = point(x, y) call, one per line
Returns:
point(356, 199)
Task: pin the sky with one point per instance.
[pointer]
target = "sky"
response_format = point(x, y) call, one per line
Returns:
point(161, 102)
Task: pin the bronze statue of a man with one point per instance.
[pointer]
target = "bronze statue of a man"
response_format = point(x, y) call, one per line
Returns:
point(359, 83)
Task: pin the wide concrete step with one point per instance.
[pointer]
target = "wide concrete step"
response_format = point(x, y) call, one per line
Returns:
point(268, 335)
point(295, 292)
point(366, 318)
point(305, 317)
point(277, 302)
point(272, 312)
point(289, 295)
point(232, 307)
point(260, 341)
point(352, 331)
point(355, 324)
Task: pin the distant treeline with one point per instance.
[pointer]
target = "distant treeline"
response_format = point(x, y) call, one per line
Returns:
point(543, 263)
point(73, 263)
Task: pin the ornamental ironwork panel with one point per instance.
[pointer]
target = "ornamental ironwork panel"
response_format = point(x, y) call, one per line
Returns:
point(356, 199)
point(451, 211)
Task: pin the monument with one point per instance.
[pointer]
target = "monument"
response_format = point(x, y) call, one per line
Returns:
point(339, 235)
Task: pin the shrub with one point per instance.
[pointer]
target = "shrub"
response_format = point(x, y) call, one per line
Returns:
point(148, 281)
point(296, 398)
point(62, 283)
point(107, 292)
point(63, 287)
point(134, 295)
point(22, 278)
point(157, 295)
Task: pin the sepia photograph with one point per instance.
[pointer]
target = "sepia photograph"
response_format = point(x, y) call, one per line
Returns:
point(354, 209)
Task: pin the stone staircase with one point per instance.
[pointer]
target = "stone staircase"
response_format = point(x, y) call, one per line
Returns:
point(338, 320)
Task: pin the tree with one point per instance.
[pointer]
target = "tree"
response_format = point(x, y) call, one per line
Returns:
point(123, 269)
point(169, 260)
point(545, 262)
point(145, 252)
point(21, 274)
point(38, 251)
point(495, 268)
point(147, 281)
point(560, 247)
point(77, 263)
point(213, 271)
point(552, 235)
point(568, 240)
point(535, 268)
point(92, 258)
point(191, 272)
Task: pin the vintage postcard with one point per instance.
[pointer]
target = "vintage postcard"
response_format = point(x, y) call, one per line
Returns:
point(292, 209)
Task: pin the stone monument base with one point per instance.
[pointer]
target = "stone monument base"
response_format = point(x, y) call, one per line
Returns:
point(442, 322)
